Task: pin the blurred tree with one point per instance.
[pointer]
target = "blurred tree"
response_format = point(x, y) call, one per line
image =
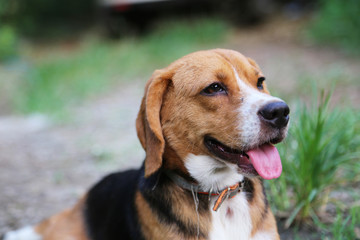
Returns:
point(34, 17)
point(337, 22)
point(8, 36)
point(8, 42)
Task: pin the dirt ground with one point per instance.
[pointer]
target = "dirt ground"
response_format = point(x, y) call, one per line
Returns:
point(45, 166)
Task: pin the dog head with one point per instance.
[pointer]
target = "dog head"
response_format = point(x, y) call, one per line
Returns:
point(210, 114)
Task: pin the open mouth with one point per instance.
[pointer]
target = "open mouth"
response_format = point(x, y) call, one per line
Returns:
point(263, 160)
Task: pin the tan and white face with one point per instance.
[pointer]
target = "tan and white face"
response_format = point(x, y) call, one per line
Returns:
point(217, 114)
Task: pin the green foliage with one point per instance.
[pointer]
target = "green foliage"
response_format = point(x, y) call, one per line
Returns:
point(346, 225)
point(59, 80)
point(5, 10)
point(316, 158)
point(337, 22)
point(35, 17)
point(8, 42)
point(179, 37)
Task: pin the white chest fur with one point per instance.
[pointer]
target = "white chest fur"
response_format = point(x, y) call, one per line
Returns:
point(232, 220)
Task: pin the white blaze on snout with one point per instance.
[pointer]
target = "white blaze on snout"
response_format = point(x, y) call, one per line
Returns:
point(252, 101)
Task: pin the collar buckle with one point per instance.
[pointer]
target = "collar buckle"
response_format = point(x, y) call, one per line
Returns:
point(228, 192)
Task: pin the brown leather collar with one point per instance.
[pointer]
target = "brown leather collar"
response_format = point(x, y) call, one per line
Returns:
point(224, 194)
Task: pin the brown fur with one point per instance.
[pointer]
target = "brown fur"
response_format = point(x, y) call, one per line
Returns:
point(261, 215)
point(187, 116)
point(66, 225)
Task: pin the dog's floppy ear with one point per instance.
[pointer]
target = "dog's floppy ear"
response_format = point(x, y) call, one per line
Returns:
point(148, 125)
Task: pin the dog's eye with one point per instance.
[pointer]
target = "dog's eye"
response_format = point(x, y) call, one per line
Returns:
point(260, 82)
point(213, 89)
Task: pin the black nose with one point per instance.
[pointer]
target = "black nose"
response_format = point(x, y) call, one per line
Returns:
point(275, 114)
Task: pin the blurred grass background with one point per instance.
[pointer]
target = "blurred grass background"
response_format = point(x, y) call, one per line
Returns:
point(58, 80)
point(54, 55)
point(320, 158)
point(337, 23)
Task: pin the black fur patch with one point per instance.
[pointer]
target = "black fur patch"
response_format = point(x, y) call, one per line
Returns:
point(110, 208)
point(110, 211)
point(158, 197)
point(249, 189)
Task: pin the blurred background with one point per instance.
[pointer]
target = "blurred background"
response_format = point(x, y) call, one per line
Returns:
point(72, 75)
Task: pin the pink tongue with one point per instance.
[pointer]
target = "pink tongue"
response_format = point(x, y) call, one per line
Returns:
point(266, 161)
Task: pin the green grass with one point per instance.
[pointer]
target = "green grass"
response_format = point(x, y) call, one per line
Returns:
point(319, 155)
point(55, 82)
point(337, 23)
point(346, 225)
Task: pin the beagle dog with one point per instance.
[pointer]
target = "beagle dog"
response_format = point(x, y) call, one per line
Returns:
point(208, 125)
